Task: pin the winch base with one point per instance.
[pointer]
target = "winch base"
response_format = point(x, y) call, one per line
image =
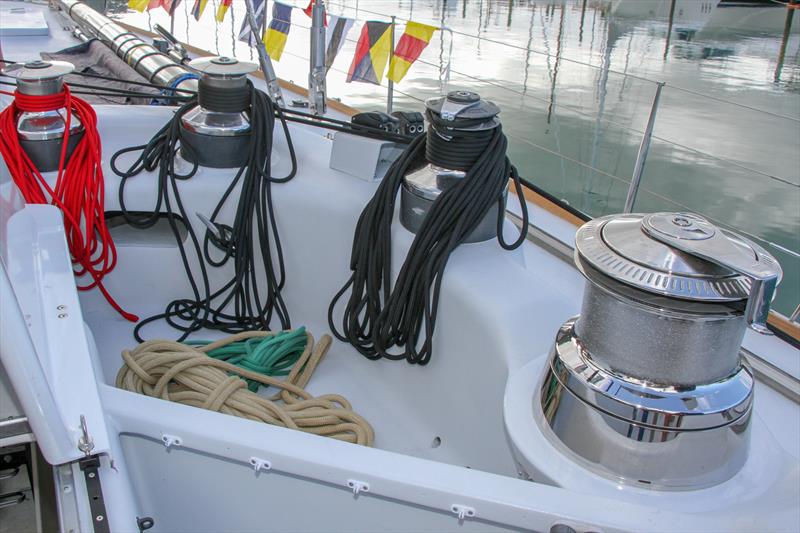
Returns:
point(228, 151)
point(664, 439)
point(45, 154)
point(414, 209)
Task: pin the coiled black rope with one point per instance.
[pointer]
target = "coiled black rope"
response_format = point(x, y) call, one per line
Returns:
point(379, 318)
point(246, 301)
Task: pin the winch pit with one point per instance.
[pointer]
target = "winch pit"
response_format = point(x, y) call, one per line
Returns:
point(449, 410)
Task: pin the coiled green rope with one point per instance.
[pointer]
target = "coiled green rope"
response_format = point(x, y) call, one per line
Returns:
point(272, 356)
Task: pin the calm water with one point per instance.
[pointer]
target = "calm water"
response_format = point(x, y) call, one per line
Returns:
point(575, 80)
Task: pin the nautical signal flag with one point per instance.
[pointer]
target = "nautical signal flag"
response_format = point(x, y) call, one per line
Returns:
point(372, 53)
point(222, 9)
point(260, 14)
point(169, 5)
point(412, 43)
point(199, 7)
point(140, 5)
point(278, 31)
point(335, 37)
point(309, 10)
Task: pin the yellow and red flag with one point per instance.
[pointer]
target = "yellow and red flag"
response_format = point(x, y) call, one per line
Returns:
point(412, 43)
point(372, 53)
point(222, 9)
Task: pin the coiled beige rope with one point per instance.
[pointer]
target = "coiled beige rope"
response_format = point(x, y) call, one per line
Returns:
point(185, 374)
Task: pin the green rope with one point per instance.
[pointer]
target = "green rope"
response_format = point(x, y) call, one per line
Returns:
point(272, 356)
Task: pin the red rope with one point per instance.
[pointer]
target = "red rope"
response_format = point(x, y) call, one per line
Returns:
point(79, 192)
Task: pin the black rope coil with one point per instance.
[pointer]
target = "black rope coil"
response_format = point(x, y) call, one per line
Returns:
point(245, 301)
point(223, 99)
point(454, 150)
point(381, 319)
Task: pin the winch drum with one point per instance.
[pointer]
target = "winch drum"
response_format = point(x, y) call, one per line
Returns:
point(658, 339)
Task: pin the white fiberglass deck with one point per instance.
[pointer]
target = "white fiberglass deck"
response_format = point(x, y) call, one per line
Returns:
point(499, 314)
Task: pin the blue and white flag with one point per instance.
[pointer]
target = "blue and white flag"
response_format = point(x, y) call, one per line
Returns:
point(260, 15)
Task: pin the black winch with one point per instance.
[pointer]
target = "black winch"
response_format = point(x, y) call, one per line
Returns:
point(216, 133)
point(41, 131)
point(454, 183)
point(461, 126)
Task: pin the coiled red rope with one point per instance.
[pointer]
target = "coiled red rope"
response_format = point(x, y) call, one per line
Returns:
point(79, 189)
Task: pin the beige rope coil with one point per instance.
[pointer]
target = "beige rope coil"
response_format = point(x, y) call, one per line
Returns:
point(185, 374)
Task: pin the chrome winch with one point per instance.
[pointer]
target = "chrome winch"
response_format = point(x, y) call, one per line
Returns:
point(647, 385)
point(449, 156)
point(41, 132)
point(216, 133)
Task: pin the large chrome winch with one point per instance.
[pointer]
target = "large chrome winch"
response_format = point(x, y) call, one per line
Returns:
point(459, 111)
point(41, 132)
point(647, 385)
point(216, 132)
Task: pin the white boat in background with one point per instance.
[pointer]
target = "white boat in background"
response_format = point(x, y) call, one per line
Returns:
point(608, 375)
point(685, 15)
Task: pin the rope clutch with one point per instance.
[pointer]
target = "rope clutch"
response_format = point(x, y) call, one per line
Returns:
point(186, 374)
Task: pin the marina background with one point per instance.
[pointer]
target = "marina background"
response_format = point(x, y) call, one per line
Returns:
point(575, 80)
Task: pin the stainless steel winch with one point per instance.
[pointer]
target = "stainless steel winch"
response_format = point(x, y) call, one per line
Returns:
point(647, 385)
point(459, 111)
point(216, 132)
point(41, 133)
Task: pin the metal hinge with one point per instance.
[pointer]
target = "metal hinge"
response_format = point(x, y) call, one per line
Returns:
point(90, 466)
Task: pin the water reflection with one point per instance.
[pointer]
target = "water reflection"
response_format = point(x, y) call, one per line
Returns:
point(574, 79)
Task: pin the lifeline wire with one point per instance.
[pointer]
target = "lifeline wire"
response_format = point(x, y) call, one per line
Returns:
point(79, 189)
point(184, 374)
point(379, 316)
point(246, 301)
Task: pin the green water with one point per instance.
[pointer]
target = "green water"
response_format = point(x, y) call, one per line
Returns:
point(575, 80)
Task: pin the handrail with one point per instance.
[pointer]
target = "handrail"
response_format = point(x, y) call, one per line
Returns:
point(683, 207)
point(737, 104)
point(573, 109)
point(583, 63)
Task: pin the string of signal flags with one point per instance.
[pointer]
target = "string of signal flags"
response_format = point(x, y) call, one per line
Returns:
point(373, 49)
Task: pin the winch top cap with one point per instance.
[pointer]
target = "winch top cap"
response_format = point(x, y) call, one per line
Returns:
point(222, 66)
point(38, 70)
point(462, 105)
point(680, 255)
